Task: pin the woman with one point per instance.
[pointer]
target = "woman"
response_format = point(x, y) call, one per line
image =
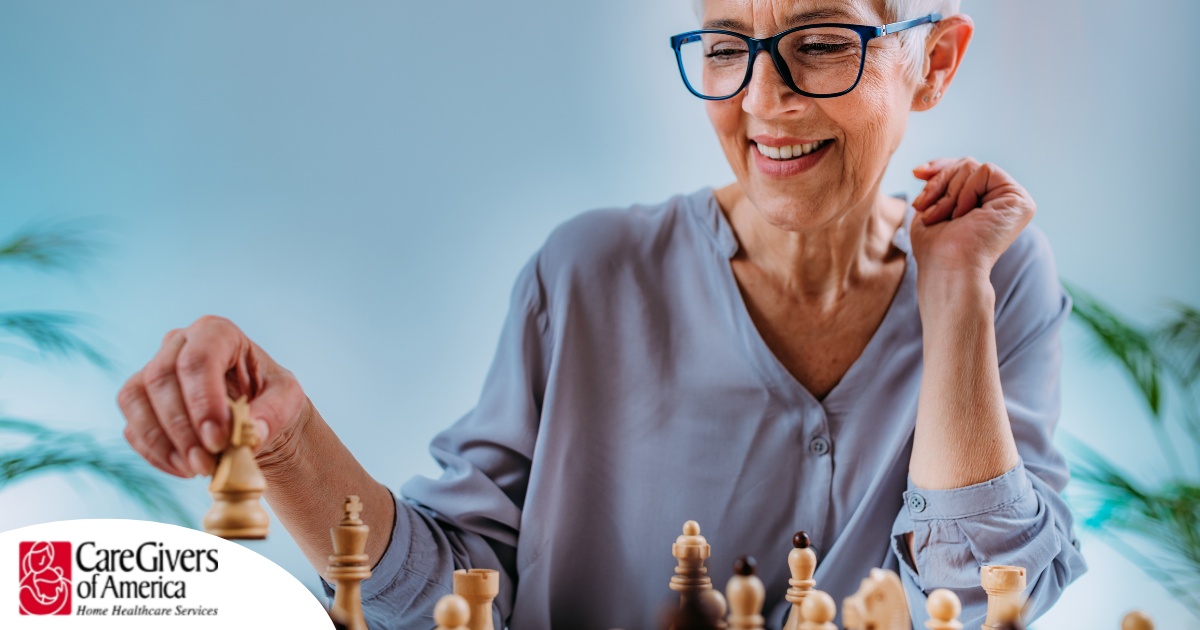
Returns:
point(763, 358)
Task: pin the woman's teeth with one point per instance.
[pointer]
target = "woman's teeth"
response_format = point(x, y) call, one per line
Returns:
point(789, 152)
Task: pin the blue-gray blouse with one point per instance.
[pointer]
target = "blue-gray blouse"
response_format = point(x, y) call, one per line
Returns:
point(631, 392)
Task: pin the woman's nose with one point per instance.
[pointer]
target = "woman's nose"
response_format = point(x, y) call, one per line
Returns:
point(767, 96)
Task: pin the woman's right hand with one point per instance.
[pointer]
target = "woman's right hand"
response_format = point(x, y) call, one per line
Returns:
point(176, 407)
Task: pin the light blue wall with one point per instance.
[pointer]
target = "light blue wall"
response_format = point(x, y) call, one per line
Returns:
point(356, 185)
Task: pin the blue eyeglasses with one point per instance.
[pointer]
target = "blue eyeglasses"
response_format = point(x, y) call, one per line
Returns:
point(816, 60)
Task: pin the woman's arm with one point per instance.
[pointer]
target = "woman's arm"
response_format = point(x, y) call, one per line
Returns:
point(962, 436)
point(309, 471)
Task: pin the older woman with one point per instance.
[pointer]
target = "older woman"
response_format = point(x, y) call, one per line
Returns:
point(793, 351)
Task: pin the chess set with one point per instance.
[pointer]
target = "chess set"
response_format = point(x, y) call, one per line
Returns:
point(879, 604)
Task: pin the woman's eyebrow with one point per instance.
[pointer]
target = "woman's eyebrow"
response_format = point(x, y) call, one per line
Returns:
point(794, 20)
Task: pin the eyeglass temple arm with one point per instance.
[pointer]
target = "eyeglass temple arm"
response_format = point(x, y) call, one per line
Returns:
point(900, 26)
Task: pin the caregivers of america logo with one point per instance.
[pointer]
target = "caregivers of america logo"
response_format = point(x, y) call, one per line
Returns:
point(109, 581)
point(45, 578)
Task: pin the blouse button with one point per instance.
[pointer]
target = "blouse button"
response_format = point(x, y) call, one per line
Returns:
point(916, 502)
point(819, 446)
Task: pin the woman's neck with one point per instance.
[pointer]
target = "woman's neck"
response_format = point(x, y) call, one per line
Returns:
point(823, 264)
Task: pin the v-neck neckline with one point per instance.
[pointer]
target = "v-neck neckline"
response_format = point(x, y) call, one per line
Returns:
point(762, 357)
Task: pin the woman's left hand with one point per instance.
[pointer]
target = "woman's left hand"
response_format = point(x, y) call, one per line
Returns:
point(967, 215)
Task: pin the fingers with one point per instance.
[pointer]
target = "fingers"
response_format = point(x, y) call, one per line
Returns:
point(161, 381)
point(946, 193)
point(971, 194)
point(279, 401)
point(211, 350)
point(143, 432)
point(931, 168)
point(934, 189)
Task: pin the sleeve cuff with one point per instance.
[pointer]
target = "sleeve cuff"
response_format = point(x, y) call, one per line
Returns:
point(924, 505)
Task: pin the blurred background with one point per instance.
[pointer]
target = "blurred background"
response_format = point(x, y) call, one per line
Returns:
point(357, 184)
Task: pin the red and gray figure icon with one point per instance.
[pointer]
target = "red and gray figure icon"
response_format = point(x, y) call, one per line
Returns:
point(45, 587)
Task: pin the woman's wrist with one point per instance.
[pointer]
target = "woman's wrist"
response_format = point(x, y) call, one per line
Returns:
point(948, 293)
point(282, 452)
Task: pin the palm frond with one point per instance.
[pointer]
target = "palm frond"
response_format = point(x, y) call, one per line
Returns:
point(1179, 341)
point(54, 451)
point(51, 333)
point(1166, 519)
point(1129, 345)
point(60, 246)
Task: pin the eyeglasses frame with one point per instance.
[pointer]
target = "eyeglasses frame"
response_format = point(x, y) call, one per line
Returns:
point(770, 45)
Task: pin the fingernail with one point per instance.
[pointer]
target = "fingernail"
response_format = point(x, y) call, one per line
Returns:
point(200, 461)
point(264, 430)
point(177, 463)
point(211, 436)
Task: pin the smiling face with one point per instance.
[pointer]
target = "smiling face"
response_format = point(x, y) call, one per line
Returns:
point(839, 146)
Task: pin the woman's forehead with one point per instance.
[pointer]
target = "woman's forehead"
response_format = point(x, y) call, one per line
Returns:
point(753, 15)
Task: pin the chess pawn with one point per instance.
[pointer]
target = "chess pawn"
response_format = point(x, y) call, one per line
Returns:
point(803, 562)
point(479, 588)
point(238, 483)
point(348, 566)
point(1137, 620)
point(818, 611)
point(452, 612)
point(1004, 586)
point(745, 595)
point(944, 608)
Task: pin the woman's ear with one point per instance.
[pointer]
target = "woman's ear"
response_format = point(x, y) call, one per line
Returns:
point(944, 50)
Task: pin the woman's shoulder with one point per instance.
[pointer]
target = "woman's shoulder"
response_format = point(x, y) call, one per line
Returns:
point(1029, 296)
point(604, 238)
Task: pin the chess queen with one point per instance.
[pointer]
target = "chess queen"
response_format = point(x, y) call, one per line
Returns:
point(795, 350)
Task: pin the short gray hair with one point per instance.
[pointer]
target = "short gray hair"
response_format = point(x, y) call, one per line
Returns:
point(912, 41)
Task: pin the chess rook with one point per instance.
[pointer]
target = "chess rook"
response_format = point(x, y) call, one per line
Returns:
point(802, 561)
point(348, 566)
point(745, 595)
point(238, 483)
point(479, 588)
point(1004, 586)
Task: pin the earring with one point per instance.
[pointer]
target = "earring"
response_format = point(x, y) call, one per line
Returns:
point(925, 98)
point(938, 95)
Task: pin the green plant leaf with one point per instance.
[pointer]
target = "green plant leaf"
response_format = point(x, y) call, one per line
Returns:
point(54, 451)
point(55, 246)
point(51, 333)
point(1124, 342)
point(1179, 341)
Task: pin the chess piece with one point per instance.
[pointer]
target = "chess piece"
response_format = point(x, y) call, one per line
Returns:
point(452, 612)
point(817, 611)
point(879, 604)
point(348, 566)
point(691, 579)
point(704, 611)
point(1004, 586)
point(944, 608)
point(237, 483)
point(803, 562)
point(1137, 620)
point(479, 588)
point(745, 594)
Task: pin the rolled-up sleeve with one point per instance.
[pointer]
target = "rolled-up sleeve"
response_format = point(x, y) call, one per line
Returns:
point(470, 516)
point(1018, 518)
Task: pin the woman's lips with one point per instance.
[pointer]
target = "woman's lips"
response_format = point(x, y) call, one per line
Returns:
point(787, 168)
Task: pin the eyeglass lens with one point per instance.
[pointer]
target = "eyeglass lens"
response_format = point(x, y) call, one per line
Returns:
point(822, 61)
